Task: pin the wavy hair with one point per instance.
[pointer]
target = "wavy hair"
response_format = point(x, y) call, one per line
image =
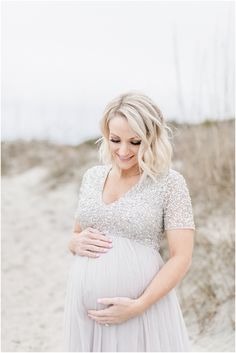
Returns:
point(146, 119)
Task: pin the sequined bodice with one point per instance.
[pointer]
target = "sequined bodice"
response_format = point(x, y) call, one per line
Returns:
point(141, 214)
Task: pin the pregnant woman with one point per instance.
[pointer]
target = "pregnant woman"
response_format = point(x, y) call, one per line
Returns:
point(120, 294)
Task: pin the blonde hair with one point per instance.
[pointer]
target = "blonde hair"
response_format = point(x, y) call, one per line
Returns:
point(146, 119)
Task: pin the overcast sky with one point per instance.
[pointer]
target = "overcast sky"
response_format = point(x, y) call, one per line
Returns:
point(64, 60)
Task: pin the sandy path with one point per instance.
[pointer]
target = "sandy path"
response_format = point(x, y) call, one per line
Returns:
point(37, 226)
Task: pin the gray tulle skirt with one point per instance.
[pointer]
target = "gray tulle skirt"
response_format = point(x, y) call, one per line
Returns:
point(125, 270)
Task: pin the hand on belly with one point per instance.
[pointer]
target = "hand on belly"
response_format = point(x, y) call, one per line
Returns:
point(120, 309)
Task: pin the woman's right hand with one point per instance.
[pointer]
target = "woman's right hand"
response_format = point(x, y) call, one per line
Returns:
point(89, 242)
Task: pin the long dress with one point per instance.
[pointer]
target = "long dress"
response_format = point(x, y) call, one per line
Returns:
point(136, 222)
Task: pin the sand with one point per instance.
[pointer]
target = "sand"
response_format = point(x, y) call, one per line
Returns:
point(36, 228)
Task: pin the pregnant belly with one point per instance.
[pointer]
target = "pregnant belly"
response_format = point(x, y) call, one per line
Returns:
point(124, 271)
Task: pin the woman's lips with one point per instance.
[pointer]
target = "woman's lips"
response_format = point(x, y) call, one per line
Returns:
point(124, 159)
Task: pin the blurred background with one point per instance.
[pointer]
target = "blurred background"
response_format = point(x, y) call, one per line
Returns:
point(62, 62)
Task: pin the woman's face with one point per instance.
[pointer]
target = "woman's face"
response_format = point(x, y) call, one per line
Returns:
point(124, 143)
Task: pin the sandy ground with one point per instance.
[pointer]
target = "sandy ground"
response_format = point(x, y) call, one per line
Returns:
point(35, 262)
point(37, 224)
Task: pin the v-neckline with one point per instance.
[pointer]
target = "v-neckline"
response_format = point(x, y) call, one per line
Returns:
point(104, 179)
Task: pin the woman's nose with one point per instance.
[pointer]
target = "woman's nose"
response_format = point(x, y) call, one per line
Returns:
point(124, 150)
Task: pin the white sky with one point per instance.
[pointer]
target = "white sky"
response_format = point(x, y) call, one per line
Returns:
point(64, 60)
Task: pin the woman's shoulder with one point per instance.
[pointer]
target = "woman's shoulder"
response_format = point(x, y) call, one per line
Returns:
point(95, 171)
point(175, 179)
point(176, 182)
point(174, 175)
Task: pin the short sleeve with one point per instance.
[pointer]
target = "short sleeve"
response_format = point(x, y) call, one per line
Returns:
point(177, 212)
point(80, 193)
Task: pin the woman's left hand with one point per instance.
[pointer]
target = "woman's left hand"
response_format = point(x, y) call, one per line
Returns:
point(120, 310)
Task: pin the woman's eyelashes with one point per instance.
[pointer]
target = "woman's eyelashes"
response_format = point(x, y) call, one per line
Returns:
point(132, 142)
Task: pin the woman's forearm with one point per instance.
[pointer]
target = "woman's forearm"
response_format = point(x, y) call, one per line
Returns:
point(165, 280)
point(72, 244)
